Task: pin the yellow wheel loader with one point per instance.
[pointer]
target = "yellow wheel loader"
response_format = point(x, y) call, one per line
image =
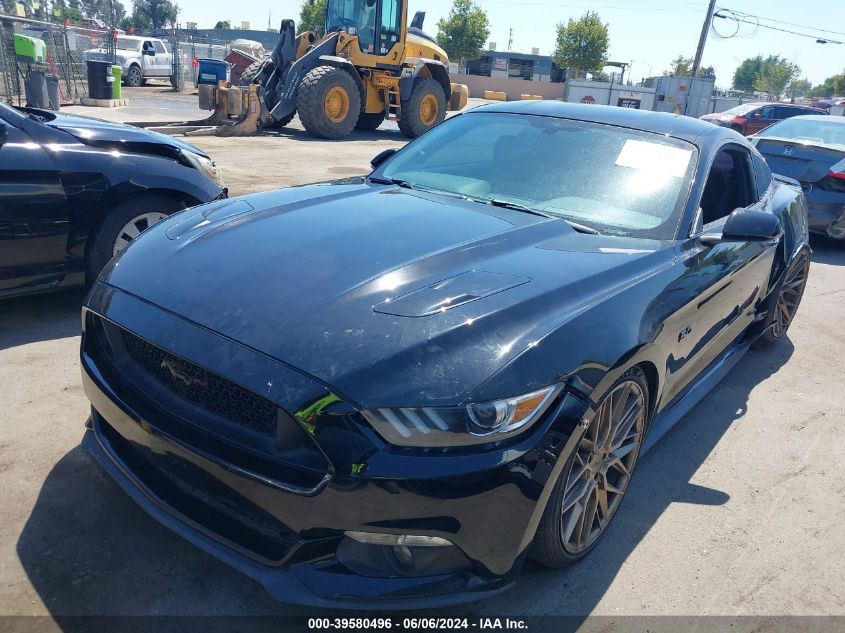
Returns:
point(368, 67)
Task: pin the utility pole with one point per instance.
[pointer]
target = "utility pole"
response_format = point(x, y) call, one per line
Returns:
point(510, 38)
point(701, 40)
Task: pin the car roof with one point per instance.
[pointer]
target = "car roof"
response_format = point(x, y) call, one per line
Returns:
point(826, 118)
point(682, 127)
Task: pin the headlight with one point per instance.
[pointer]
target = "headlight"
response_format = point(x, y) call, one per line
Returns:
point(476, 423)
point(204, 165)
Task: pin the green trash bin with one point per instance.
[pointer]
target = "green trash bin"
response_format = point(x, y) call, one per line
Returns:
point(117, 73)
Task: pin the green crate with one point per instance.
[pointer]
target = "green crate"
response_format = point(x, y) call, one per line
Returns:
point(30, 49)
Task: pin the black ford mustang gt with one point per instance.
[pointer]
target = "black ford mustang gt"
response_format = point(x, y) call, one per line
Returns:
point(390, 392)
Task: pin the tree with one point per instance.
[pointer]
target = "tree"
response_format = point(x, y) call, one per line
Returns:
point(223, 25)
point(463, 32)
point(798, 88)
point(747, 73)
point(681, 67)
point(312, 16)
point(830, 87)
point(707, 71)
point(776, 76)
point(8, 6)
point(157, 13)
point(582, 44)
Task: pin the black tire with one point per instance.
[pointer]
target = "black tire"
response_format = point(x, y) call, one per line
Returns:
point(787, 296)
point(247, 78)
point(411, 123)
point(369, 122)
point(102, 244)
point(311, 102)
point(249, 74)
point(174, 83)
point(134, 77)
point(549, 547)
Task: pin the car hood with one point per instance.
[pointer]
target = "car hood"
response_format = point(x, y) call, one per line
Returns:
point(97, 132)
point(390, 297)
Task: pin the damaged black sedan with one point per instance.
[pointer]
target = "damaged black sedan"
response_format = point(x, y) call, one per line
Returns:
point(391, 392)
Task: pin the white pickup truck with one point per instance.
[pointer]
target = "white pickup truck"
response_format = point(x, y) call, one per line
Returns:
point(140, 57)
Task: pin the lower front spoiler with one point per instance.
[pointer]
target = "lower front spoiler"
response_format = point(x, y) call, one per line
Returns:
point(291, 584)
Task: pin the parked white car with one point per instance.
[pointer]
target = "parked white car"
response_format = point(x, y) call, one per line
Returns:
point(140, 57)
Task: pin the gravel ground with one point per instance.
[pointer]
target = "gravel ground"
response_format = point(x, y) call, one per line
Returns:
point(737, 511)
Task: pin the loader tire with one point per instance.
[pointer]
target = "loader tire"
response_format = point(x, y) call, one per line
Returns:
point(369, 122)
point(425, 108)
point(328, 102)
point(247, 78)
point(248, 75)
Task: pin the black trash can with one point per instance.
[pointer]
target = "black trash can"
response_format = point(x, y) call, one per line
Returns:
point(99, 79)
point(53, 92)
point(35, 89)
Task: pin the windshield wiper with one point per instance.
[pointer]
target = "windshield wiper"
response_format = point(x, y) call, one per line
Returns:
point(581, 228)
point(391, 181)
point(507, 204)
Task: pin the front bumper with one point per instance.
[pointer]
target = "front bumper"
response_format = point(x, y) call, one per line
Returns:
point(487, 503)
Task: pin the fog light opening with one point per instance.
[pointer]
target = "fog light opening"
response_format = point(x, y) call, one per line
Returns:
point(400, 555)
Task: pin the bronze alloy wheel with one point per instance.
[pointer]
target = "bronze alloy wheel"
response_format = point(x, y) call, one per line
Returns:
point(601, 468)
point(789, 297)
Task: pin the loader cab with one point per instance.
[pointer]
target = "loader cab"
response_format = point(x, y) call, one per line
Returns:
point(378, 24)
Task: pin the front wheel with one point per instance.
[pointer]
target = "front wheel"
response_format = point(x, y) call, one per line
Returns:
point(425, 108)
point(134, 77)
point(328, 102)
point(593, 482)
point(123, 224)
point(788, 293)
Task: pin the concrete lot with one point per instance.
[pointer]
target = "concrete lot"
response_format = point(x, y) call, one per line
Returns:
point(737, 511)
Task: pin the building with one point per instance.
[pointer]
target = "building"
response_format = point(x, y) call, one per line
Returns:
point(515, 65)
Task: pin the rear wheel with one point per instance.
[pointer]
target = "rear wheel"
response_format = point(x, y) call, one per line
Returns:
point(425, 108)
point(328, 102)
point(369, 122)
point(593, 482)
point(788, 295)
point(123, 224)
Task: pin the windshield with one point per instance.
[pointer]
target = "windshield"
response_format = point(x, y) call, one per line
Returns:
point(830, 132)
point(612, 179)
point(126, 44)
point(745, 108)
point(357, 17)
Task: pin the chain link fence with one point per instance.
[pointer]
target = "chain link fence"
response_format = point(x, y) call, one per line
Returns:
point(64, 58)
point(187, 50)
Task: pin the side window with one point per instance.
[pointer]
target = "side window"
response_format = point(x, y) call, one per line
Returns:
point(784, 112)
point(762, 175)
point(391, 14)
point(148, 46)
point(767, 112)
point(730, 184)
point(160, 50)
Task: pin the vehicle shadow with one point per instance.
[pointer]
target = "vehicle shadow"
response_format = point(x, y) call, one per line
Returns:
point(40, 318)
point(826, 251)
point(87, 549)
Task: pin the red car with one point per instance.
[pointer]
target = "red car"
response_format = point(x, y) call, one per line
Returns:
point(750, 118)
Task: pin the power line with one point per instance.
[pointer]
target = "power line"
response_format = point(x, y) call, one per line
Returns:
point(800, 26)
point(731, 15)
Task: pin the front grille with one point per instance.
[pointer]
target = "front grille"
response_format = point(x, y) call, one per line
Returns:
point(201, 387)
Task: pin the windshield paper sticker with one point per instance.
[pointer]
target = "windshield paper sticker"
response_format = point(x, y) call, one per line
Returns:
point(654, 157)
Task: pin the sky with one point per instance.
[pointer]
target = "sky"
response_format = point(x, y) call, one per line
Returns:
point(648, 32)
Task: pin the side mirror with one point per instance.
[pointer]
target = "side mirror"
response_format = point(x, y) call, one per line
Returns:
point(150, 52)
point(746, 225)
point(757, 115)
point(379, 159)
